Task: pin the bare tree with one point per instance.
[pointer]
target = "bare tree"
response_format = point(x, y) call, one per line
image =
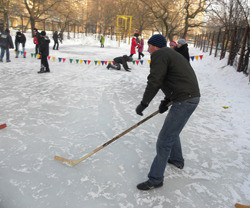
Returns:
point(37, 8)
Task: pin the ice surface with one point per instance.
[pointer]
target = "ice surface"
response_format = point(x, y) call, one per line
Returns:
point(78, 107)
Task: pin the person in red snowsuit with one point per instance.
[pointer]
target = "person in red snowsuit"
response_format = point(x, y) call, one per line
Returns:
point(133, 45)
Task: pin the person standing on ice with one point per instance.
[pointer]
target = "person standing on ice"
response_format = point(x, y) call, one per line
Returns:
point(6, 43)
point(121, 60)
point(20, 39)
point(140, 47)
point(44, 52)
point(102, 40)
point(36, 40)
point(134, 44)
point(171, 73)
point(55, 38)
point(182, 48)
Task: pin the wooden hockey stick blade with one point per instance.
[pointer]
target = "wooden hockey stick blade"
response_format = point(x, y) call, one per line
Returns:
point(241, 206)
point(3, 126)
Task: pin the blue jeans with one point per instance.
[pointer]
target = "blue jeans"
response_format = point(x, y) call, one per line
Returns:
point(7, 53)
point(168, 144)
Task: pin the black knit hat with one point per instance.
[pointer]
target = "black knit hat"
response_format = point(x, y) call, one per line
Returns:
point(43, 33)
point(158, 41)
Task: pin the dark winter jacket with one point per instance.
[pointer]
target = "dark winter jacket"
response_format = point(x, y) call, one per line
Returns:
point(55, 36)
point(6, 40)
point(44, 45)
point(170, 72)
point(122, 60)
point(20, 38)
point(183, 50)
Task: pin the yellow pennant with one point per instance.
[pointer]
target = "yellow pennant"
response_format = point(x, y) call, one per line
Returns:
point(81, 61)
point(149, 61)
point(54, 58)
point(197, 57)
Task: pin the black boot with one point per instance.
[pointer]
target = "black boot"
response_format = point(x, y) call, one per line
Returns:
point(177, 164)
point(109, 65)
point(41, 70)
point(148, 185)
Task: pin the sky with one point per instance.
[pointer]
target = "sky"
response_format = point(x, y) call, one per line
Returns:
point(80, 106)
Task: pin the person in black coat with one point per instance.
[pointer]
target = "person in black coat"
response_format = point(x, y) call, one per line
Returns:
point(55, 38)
point(121, 60)
point(182, 48)
point(44, 52)
point(6, 43)
point(20, 39)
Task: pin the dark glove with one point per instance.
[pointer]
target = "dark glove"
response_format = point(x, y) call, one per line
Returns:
point(163, 106)
point(141, 108)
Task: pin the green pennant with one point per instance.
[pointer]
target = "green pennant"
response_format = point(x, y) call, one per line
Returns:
point(77, 60)
point(133, 62)
point(96, 62)
point(32, 54)
point(70, 60)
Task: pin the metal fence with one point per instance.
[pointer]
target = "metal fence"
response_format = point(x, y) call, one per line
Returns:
point(234, 41)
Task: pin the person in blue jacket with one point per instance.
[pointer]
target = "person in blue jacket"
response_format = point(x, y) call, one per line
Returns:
point(6, 43)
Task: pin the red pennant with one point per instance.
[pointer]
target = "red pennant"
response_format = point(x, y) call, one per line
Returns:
point(64, 59)
point(201, 56)
point(49, 57)
point(137, 62)
point(89, 61)
point(105, 62)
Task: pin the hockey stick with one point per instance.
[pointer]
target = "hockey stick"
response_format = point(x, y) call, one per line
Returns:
point(241, 206)
point(2, 126)
point(75, 162)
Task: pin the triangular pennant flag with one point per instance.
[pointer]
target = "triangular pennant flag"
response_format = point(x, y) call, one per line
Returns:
point(24, 53)
point(137, 62)
point(15, 51)
point(133, 62)
point(201, 56)
point(54, 58)
point(38, 56)
point(192, 57)
point(60, 59)
point(113, 62)
point(64, 59)
point(141, 62)
point(197, 57)
point(49, 57)
point(96, 62)
point(32, 54)
point(77, 60)
point(85, 61)
point(35, 55)
point(149, 61)
point(21, 52)
point(70, 60)
point(102, 62)
point(99, 62)
point(89, 61)
point(105, 62)
point(81, 61)
point(110, 62)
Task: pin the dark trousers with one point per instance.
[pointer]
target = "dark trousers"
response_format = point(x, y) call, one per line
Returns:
point(44, 63)
point(56, 45)
point(37, 49)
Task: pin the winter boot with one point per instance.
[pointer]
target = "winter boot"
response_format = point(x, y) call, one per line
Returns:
point(148, 186)
point(177, 164)
point(41, 70)
point(8, 61)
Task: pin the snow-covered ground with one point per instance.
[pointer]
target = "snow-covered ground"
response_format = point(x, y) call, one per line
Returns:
point(78, 107)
